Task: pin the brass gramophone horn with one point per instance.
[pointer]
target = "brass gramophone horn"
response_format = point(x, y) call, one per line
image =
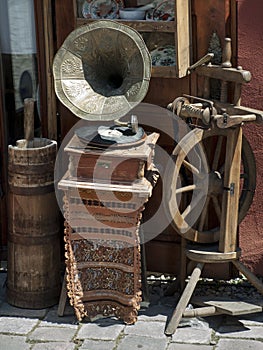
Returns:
point(102, 70)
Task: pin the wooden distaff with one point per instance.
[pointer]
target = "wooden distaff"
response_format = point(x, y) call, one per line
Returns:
point(28, 123)
point(29, 119)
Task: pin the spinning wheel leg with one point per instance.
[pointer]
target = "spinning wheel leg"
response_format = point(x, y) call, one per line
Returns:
point(179, 283)
point(186, 296)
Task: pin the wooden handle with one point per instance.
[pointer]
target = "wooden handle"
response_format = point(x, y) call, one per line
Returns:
point(234, 120)
point(227, 53)
point(29, 119)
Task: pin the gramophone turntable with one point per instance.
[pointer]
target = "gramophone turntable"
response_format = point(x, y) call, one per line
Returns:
point(120, 135)
point(101, 72)
point(115, 154)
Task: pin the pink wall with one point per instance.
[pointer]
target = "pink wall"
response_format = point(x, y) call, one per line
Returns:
point(250, 57)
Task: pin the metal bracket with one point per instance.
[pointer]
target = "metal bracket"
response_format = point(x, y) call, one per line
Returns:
point(231, 188)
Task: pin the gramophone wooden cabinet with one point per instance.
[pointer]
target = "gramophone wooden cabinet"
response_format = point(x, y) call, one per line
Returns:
point(113, 165)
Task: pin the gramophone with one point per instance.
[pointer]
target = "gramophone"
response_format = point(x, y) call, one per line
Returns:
point(101, 73)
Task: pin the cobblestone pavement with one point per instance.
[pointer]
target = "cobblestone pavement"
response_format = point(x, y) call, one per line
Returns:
point(24, 329)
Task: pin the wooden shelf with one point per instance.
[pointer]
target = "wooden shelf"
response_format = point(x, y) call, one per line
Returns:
point(140, 26)
point(163, 72)
point(180, 29)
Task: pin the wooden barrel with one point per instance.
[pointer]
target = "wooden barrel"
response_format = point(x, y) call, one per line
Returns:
point(33, 278)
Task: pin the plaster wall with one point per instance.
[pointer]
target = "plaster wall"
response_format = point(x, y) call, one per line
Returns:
point(250, 57)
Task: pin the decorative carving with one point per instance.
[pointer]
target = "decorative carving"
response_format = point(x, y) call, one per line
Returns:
point(113, 251)
point(104, 308)
point(103, 263)
point(71, 66)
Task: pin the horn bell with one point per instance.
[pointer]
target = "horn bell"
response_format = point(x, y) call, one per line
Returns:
point(102, 70)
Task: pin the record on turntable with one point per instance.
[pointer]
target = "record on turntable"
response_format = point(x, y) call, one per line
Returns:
point(116, 136)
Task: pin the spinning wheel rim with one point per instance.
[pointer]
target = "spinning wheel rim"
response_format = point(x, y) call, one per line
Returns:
point(192, 140)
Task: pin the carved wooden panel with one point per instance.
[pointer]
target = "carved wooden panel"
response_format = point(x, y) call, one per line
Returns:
point(103, 249)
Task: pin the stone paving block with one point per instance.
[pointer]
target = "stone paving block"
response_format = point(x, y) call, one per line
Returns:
point(238, 344)
point(13, 342)
point(97, 345)
point(54, 346)
point(132, 342)
point(249, 332)
point(103, 330)
point(9, 310)
point(175, 346)
point(147, 328)
point(17, 325)
point(60, 334)
point(191, 335)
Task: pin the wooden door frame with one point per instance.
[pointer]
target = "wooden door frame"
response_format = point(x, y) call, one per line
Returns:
point(3, 168)
point(45, 41)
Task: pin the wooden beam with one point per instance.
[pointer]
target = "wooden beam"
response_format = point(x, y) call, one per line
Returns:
point(45, 53)
point(226, 74)
point(3, 164)
point(49, 55)
point(182, 36)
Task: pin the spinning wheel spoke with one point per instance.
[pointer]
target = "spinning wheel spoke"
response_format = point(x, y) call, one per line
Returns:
point(217, 153)
point(185, 189)
point(205, 166)
point(191, 167)
point(195, 201)
point(217, 207)
point(203, 215)
point(222, 169)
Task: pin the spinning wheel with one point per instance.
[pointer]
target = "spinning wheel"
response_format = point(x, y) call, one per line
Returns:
point(212, 184)
point(197, 185)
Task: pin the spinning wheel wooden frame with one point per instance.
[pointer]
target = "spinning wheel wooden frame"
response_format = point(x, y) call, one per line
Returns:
point(227, 249)
point(233, 182)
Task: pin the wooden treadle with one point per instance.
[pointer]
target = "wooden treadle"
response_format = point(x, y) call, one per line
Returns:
point(229, 307)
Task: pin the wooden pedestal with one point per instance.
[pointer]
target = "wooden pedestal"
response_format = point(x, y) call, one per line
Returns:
point(102, 219)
